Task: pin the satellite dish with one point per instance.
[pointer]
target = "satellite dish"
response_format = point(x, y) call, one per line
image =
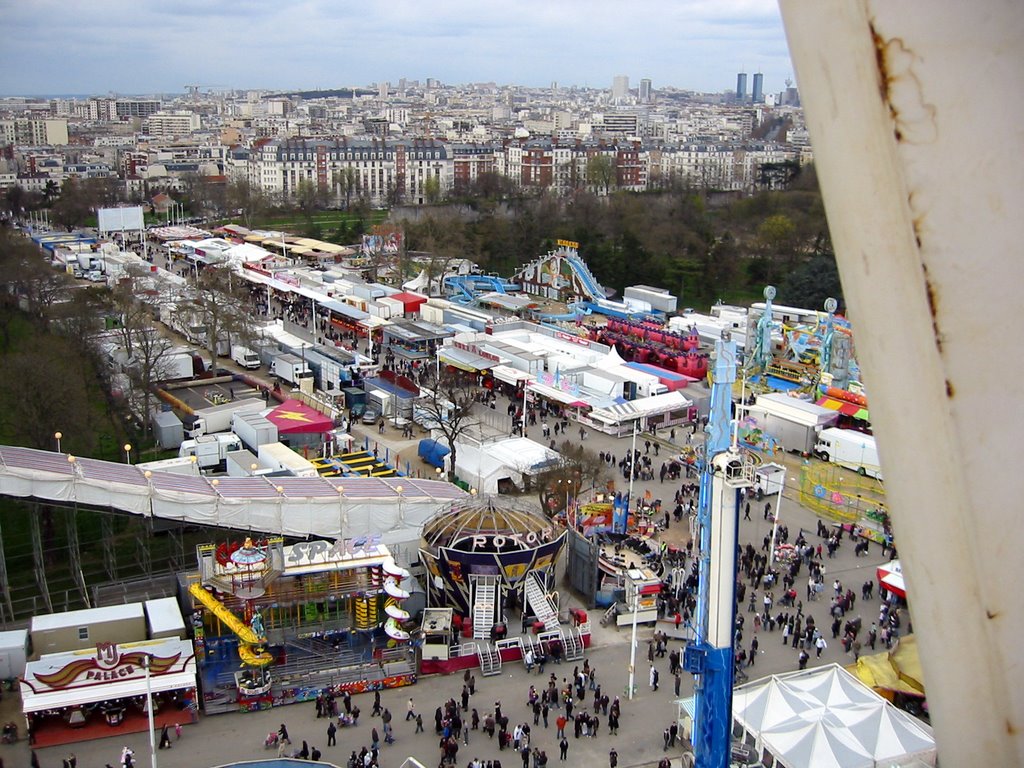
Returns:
point(831, 305)
point(769, 292)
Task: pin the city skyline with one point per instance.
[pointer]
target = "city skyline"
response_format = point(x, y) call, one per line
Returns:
point(53, 47)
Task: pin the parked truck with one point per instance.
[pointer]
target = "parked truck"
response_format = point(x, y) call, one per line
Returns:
point(217, 418)
point(253, 429)
point(768, 479)
point(279, 458)
point(291, 369)
point(794, 423)
point(245, 357)
point(211, 451)
point(850, 449)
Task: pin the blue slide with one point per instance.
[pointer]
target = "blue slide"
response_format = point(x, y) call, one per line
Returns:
point(590, 284)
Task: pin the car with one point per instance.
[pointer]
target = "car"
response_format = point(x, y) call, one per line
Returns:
point(370, 416)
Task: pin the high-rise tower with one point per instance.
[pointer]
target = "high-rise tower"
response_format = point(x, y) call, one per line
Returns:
point(620, 87)
point(757, 94)
point(741, 86)
point(645, 91)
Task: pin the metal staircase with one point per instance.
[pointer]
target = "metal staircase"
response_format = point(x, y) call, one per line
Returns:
point(485, 597)
point(539, 602)
point(490, 660)
point(572, 642)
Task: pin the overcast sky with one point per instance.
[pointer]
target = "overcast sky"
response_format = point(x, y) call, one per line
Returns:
point(157, 46)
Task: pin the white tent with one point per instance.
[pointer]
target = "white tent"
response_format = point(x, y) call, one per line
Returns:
point(826, 717)
point(483, 465)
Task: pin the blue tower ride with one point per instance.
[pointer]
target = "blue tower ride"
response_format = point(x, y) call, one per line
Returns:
point(710, 657)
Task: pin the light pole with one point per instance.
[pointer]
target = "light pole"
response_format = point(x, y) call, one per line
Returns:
point(57, 436)
point(632, 647)
point(341, 512)
point(775, 521)
point(127, 453)
point(147, 660)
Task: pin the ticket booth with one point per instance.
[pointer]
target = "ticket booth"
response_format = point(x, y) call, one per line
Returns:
point(437, 633)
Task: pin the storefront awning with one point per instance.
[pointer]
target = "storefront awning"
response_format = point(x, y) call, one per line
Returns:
point(509, 375)
point(847, 409)
point(77, 678)
point(565, 398)
point(463, 360)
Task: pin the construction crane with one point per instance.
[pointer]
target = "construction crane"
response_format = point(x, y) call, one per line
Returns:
point(725, 470)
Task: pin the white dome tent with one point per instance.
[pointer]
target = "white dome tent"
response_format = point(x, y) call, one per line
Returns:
point(827, 718)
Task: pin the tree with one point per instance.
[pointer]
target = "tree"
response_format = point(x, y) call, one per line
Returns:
point(776, 239)
point(148, 350)
point(251, 202)
point(601, 173)
point(27, 282)
point(812, 282)
point(577, 471)
point(74, 206)
point(432, 190)
point(448, 408)
point(221, 304)
point(41, 393)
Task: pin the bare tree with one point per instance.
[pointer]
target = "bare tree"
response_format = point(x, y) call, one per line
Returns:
point(221, 304)
point(577, 472)
point(28, 282)
point(448, 409)
point(148, 350)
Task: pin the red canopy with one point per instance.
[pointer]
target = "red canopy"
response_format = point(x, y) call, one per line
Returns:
point(412, 301)
point(295, 418)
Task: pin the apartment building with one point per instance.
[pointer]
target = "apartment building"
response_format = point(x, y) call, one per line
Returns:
point(30, 131)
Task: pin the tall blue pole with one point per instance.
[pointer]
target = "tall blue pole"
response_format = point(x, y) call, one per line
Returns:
point(710, 657)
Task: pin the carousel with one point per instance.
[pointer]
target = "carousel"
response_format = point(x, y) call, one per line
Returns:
point(482, 556)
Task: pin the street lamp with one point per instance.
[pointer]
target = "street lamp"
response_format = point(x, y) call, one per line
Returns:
point(341, 512)
point(147, 659)
point(57, 436)
point(128, 453)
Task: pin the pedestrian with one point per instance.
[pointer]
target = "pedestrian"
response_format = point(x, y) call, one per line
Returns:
point(563, 748)
point(177, 731)
point(282, 735)
point(34, 762)
point(820, 645)
point(165, 739)
point(654, 678)
point(410, 713)
point(746, 511)
point(332, 731)
point(678, 682)
point(613, 758)
point(315, 755)
point(419, 724)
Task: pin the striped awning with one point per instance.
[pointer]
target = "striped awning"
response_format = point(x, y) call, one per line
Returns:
point(847, 409)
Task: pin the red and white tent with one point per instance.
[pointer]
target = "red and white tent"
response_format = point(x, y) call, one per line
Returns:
point(890, 576)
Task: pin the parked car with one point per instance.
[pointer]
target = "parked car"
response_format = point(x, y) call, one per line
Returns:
point(370, 416)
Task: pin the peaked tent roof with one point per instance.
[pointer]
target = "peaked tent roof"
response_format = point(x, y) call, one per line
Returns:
point(294, 418)
point(826, 717)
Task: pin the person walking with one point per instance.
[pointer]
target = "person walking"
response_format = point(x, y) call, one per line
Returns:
point(410, 711)
point(563, 748)
point(332, 732)
point(613, 758)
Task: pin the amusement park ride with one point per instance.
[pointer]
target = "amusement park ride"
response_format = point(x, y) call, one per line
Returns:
point(724, 472)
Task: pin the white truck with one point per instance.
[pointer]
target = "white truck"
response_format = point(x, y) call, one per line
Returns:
point(211, 451)
point(217, 418)
point(794, 423)
point(245, 357)
point(253, 429)
point(850, 449)
point(291, 369)
point(278, 457)
point(768, 479)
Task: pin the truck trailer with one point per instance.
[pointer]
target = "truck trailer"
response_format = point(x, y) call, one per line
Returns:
point(850, 449)
point(253, 429)
point(794, 423)
point(217, 418)
point(210, 451)
point(245, 357)
point(279, 458)
point(291, 369)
